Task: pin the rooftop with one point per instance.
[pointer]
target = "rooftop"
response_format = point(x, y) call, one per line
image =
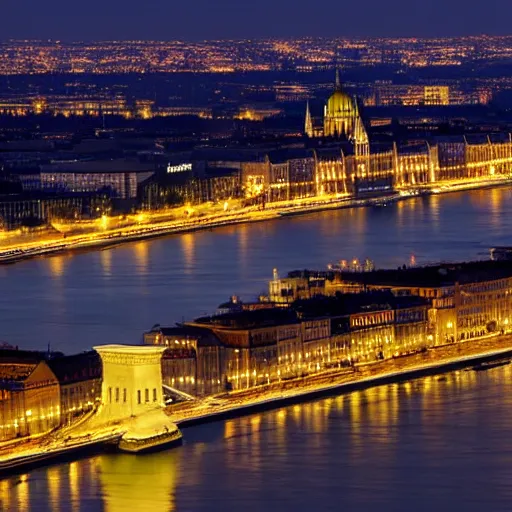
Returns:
point(15, 372)
point(250, 319)
point(203, 336)
point(77, 367)
point(100, 166)
point(445, 274)
point(343, 304)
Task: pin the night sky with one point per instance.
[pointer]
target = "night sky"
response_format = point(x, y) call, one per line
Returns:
point(71, 20)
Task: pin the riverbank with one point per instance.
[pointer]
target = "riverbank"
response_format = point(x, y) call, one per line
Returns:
point(48, 450)
point(110, 238)
point(433, 362)
point(31, 459)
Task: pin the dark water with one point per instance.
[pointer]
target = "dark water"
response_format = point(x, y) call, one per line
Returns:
point(112, 296)
point(425, 445)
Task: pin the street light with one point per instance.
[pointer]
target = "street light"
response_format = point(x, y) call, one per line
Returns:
point(237, 351)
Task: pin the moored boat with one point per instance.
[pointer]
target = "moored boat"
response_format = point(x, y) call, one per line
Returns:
point(490, 364)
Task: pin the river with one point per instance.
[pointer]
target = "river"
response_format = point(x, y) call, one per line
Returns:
point(424, 445)
point(75, 301)
point(429, 444)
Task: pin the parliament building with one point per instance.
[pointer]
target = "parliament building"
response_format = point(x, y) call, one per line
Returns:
point(341, 118)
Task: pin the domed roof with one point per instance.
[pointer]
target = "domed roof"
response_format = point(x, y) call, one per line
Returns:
point(341, 103)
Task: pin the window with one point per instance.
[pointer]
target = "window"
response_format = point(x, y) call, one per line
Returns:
point(154, 394)
point(139, 396)
point(110, 395)
point(147, 395)
point(117, 394)
point(124, 395)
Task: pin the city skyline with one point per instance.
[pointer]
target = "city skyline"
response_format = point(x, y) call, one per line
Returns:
point(227, 19)
point(263, 246)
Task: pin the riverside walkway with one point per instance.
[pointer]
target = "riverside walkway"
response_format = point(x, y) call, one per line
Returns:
point(103, 428)
point(334, 382)
point(157, 224)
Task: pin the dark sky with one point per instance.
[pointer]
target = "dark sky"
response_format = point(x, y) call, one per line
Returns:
point(206, 19)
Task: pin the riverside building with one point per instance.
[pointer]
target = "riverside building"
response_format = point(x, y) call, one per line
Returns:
point(466, 300)
point(80, 378)
point(192, 359)
point(42, 391)
point(255, 346)
point(29, 395)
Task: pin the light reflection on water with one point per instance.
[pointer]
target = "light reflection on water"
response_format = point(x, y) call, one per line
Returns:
point(421, 445)
point(432, 443)
point(113, 295)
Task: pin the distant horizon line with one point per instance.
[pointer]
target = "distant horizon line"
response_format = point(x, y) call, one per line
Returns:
point(254, 39)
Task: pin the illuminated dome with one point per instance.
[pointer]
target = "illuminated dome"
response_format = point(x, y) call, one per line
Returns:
point(341, 103)
point(341, 113)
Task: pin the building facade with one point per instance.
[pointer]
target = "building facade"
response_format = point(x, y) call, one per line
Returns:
point(29, 396)
point(80, 378)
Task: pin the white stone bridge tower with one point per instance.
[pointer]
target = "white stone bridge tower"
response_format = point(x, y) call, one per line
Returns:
point(132, 380)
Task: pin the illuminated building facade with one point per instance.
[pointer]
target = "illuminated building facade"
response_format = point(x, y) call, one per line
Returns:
point(341, 117)
point(436, 95)
point(354, 170)
point(17, 210)
point(120, 176)
point(191, 360)
point(29, 395)
point(267, 344)
point(122, 185)
point(67, 106)
point(466, 300)
point(80, 383)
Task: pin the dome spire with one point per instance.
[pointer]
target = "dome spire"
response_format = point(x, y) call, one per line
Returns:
point(338, 81)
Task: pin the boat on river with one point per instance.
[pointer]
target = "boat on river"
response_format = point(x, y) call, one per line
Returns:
point(488, 365)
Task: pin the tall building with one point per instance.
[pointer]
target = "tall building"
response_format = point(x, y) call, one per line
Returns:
point(340, 113)
point(341, 117)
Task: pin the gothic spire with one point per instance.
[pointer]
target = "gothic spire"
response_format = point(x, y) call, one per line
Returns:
point(308, 124)
point(338, 81)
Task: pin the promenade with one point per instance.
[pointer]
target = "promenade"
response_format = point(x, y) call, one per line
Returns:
point(91, 435)
point(107, 232)
point(335, 382)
